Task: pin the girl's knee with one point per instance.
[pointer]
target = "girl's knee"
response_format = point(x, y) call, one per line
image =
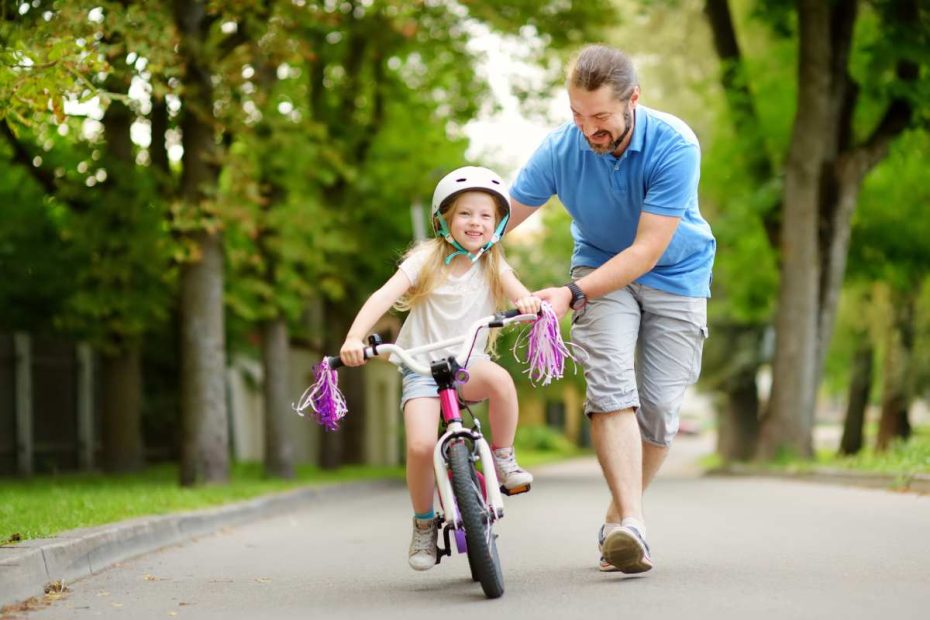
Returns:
point(500, 382)
point(420, 450)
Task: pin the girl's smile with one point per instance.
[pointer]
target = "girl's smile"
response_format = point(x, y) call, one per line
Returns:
point(473, 220)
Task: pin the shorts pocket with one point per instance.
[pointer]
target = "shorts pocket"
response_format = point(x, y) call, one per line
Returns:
point(696, 359)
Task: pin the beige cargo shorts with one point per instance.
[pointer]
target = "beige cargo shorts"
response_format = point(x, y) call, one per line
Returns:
point(640, 348)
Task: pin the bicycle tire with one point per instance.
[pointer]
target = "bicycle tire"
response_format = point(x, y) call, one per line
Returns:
point(471, 559)
point(483, 558)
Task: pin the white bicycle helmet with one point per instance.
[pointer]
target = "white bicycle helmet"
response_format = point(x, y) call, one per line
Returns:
point(465, 179)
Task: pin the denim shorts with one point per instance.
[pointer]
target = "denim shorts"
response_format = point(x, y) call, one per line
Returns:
point(641, 348)
point(416, 385)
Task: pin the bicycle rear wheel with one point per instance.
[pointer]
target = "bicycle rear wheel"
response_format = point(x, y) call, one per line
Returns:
point(482, 548)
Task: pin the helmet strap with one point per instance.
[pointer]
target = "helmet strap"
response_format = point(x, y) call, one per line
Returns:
point(447, 235)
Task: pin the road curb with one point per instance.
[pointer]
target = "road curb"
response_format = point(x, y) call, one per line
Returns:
point(26, 567)
point(913, 483)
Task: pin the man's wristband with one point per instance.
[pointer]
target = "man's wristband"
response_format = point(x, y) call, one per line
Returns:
point(579, 299)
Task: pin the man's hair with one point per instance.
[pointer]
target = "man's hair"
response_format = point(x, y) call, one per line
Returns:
point(599, 65)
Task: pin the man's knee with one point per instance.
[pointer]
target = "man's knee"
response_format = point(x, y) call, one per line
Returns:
point(658, 426)
point(606, 417)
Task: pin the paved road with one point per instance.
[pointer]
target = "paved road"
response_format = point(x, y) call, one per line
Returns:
point(724, 548)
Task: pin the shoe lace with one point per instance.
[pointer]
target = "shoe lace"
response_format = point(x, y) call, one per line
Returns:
point(506, 464)
point(423, 540)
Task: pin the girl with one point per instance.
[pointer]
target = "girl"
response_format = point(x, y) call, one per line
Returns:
point(447, 283)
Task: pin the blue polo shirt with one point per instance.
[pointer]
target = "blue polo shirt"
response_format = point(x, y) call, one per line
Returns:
point(657, 173)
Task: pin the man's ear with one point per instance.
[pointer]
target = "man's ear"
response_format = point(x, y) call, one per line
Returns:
point(634, 98)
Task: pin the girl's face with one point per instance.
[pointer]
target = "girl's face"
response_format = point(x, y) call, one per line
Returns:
point(473, 219)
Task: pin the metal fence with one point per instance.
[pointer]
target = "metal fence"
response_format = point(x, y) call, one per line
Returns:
point(46, 405)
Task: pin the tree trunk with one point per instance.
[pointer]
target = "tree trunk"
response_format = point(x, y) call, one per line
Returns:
point(353, 427)
point(732, 361)
point(121, 359)
point(897, 390)
point(739, 423)
point(204, 426)
point(788, 423)
point(860, 388)
point(850, 162)
point(158, 150)
point(736, 88)
point(121, 409)
point(279, 453)
point(345, 445)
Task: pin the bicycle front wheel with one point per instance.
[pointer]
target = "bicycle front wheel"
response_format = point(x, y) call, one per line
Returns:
point(482, 548)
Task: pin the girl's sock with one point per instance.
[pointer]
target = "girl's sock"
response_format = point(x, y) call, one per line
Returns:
point(425, 516)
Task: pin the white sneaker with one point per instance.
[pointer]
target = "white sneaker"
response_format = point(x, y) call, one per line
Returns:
point(623, 548)
point(423, 545)
point(510, 475)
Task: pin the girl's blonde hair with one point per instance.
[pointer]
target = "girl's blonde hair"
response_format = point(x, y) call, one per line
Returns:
point(435, 271)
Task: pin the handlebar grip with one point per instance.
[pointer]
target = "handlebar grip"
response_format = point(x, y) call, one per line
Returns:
point(336, 362)
point(509, 314)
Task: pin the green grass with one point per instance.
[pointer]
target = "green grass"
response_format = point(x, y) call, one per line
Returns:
point(46, 505)
point(902, 459)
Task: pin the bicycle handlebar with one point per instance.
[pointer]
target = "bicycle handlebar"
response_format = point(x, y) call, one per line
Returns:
point(405, 356)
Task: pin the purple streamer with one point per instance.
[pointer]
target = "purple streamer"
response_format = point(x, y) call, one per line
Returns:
point(323, 397)
point(546, 352)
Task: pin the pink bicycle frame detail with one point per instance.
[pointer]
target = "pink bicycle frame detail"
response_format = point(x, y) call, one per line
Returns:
point(449, 405)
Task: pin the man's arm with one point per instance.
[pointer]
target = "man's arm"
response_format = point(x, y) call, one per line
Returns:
point(518, 213)
point(653, 235)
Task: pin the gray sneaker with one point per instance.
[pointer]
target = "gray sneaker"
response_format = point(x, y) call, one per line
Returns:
point(423, 545)
point(512, 478)
point(623, 548)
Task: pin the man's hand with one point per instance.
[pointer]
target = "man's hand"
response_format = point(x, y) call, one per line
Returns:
point(558, 297)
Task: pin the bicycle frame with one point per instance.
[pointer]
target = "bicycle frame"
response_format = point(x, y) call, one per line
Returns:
point(446, 372)
point(454, 428)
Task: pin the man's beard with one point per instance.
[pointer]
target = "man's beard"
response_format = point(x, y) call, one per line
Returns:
point(613, 145)
point(610, 147)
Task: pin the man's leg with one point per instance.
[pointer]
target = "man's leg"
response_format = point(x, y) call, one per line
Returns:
point(619, 450)
point(653, 457)
point(607, 330)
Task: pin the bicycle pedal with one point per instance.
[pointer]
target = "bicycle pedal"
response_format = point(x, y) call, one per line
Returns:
point(516, 490)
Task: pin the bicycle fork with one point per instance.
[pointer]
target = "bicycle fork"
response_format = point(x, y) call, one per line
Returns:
point(444, 485)
point(455, 431)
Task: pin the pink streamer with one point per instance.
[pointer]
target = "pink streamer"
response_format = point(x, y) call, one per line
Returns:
point(546, 352)
point(323, 397)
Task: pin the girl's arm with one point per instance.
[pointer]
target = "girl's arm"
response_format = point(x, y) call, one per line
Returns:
point(525, 302)
point(373, 309)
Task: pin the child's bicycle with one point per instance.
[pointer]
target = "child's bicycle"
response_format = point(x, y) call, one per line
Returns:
point(470, 496)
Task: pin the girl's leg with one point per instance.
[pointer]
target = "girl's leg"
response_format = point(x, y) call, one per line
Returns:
point(421, 418)
point(490, 381)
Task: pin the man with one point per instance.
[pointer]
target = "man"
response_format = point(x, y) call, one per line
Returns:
point(641, 271)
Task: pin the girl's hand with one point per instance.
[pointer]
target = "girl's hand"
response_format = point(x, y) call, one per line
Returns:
point(528, 305)
point(559, 297)
point(352, 352)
